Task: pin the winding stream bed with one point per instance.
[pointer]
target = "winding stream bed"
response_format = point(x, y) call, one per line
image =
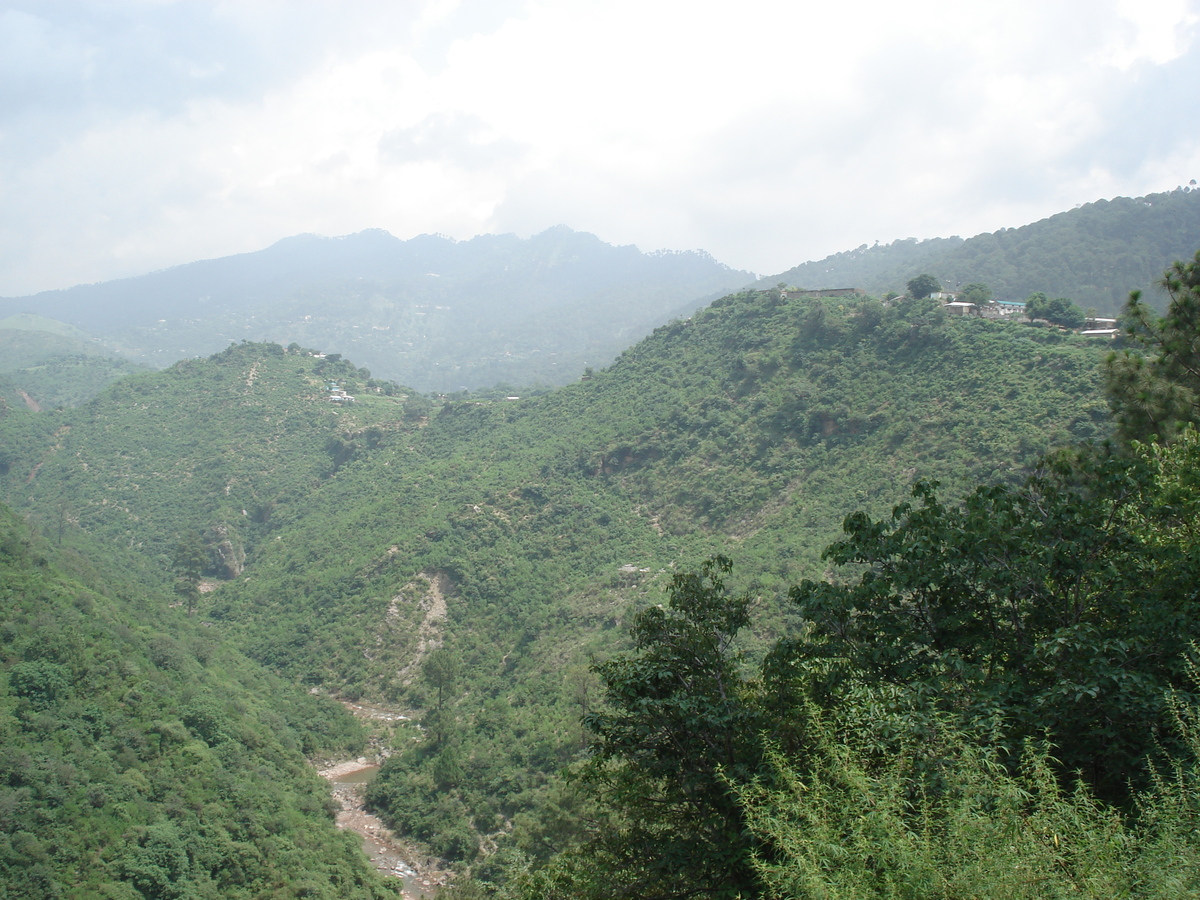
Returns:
point(380, 845)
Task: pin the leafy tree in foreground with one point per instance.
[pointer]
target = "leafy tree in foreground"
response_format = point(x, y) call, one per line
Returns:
point(680, 727)
point(1154, 388)
point(857, 828)
point(1063, 607)
point(921, 736)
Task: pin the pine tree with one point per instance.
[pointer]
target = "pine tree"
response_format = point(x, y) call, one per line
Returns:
point(1154, 386)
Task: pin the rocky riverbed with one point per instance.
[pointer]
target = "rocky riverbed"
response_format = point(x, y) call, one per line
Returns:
point(391, 856)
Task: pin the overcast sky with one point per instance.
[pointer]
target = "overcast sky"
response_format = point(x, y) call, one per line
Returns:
point(138, 135)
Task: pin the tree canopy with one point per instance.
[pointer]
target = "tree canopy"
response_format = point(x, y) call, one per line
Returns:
point(977, 293)
point(1154, 384)
point(1059, 608)
point(679, 723)
point(1060, 311)
point(922, 286)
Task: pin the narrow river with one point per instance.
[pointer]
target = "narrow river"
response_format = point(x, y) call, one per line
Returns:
point(379, 844)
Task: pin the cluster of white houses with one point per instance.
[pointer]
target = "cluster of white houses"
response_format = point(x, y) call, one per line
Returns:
point(337, 395)
point(1096, 326)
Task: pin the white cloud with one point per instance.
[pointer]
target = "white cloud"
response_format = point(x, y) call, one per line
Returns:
point(765, 132)
point(1155, 31)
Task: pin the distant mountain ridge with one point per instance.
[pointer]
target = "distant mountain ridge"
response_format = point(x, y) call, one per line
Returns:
point(444, 315)
point(1095, 254)
point(431, 312)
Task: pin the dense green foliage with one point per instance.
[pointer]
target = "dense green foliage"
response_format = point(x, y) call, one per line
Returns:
point(895, 746)
point(1061, 609)
point(976, 292)
point(1095, 254)
point(856, 827)
point(1059, 311)
point(343, 546)
point(471, 561)
point(941, 817)
point(141, 759)
point(980, 691)
point(678, 725)
point(156, 460)
point(922, 286)
point(1155, 384)
point(920, 732)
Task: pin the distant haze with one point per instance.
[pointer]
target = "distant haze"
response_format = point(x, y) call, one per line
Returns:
point(429, 312)
point(444, 315)
point(135, 136)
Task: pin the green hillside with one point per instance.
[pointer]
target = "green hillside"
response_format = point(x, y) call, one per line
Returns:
point(995, 695)
point(45, 364)
point(468, 561)
point(31, 322)
point(207, 447)
point(1094, 254)
point(141, 757)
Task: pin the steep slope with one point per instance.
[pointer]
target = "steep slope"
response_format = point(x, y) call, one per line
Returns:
point(431, 312)
point(139, 758)
point(1095, 254)
point(511, 540)
point(216, 449)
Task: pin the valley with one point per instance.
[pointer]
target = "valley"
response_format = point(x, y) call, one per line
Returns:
point(470, 561)
point(525, 450)
point(239, 583)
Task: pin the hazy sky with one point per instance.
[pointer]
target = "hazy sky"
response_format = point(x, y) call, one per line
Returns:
point(137, 135)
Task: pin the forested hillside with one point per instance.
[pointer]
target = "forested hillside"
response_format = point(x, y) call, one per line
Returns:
point(1095, 254)
point(430, 312)
point(45, 364)
point(469, 561)
point(141, 756)
point(208, 450)
point(993, 696)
